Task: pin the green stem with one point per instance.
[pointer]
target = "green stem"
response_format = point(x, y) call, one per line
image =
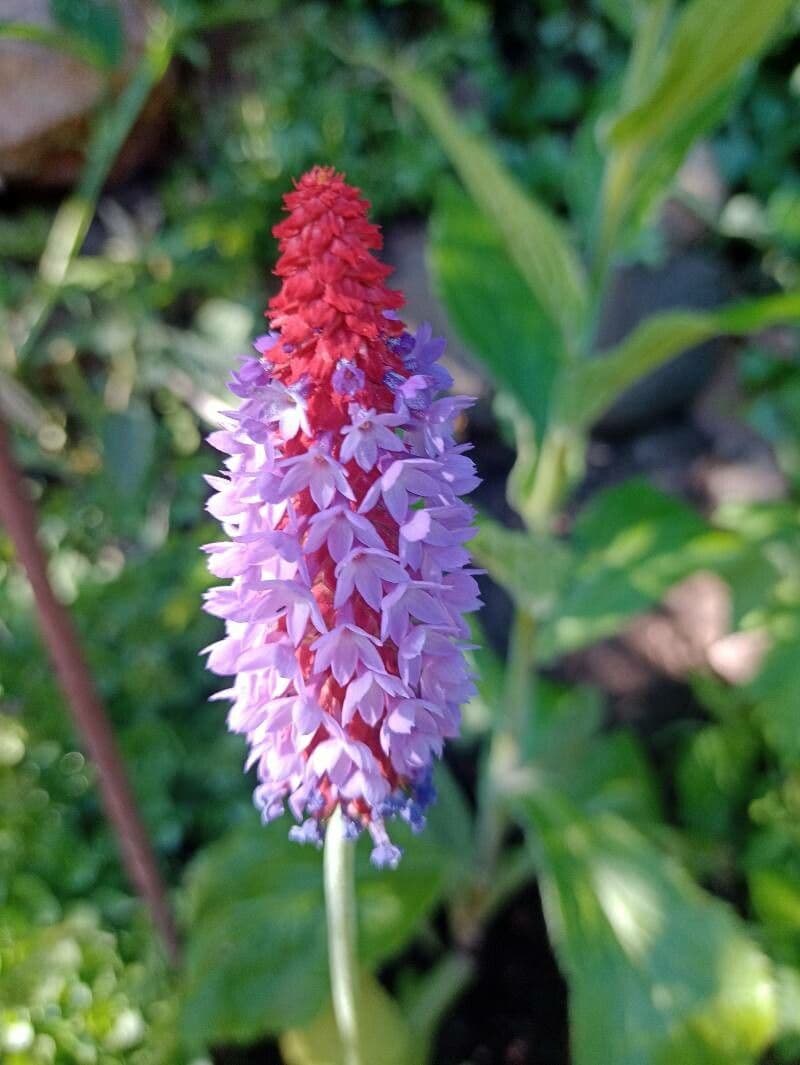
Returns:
point(340, 905)
point(435, 994)
point(505, 748)
point(549, 481)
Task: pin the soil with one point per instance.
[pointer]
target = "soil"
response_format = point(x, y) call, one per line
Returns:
point(515, 1012)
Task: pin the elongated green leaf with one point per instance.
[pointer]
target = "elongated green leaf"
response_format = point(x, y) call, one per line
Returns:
point(533, 237)
point(591, 387)
point(710, 43)
point(681, 91)
point(658, 971)
point(49, 37)
point(490, 304)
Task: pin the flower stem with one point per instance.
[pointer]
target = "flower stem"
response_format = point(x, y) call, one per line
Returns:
point(340, 905)
point(507, 743)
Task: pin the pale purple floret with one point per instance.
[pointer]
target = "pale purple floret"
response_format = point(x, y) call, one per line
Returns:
point(342, 649)
point(367, 570)
point(347, 378)
point(316, 470)
point(414, 578)
point(366, 694)
point(337, 528)
point(403, 481)
point(368, 434)
point(423, 358)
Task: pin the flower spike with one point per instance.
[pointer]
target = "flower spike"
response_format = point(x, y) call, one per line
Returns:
point(341, 500)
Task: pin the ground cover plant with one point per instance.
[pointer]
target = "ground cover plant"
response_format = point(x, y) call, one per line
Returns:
point(665, 857)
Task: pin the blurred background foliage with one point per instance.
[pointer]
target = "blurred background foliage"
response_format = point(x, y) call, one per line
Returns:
point(121, 313)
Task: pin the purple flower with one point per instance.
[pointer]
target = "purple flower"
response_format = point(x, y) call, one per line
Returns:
point(367, 569)
point(347, 378)
point(317, 471)
point(368, 434)
point(348, 581)
point(336, 528)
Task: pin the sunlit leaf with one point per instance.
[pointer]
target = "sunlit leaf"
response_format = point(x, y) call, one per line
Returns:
point(658, 971)
point(708, 47)
point(682, 89)
point(632, 543)
point(490, 304)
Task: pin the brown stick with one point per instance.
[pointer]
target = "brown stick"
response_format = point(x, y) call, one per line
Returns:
point(19, 517)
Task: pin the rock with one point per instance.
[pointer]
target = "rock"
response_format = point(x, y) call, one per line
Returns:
point(691, 279)
point(741, 466)
point(49, 98)
point(701, 196)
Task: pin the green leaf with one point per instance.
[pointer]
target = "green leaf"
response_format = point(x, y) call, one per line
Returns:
point(629, 546)
point(391, 909)
point(95, 22)
point(658, 971)
point(631, 543)
point(532, 567)
point(788, 980)
point(49, 37)
point(772, 866)
point(599, 771)
point(128, 447)
point(591, 387)
point(777, 698)
point(714, 778)
point(708, 48)
point(680, 90)
point(256, 955)
point(384, 1034)
point(533, 237)
point(490, 304)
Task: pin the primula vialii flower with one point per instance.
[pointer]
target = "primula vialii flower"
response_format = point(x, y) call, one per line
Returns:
point(349, 576)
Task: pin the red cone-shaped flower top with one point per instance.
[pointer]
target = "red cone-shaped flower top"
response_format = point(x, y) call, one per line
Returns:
point(333, 302)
